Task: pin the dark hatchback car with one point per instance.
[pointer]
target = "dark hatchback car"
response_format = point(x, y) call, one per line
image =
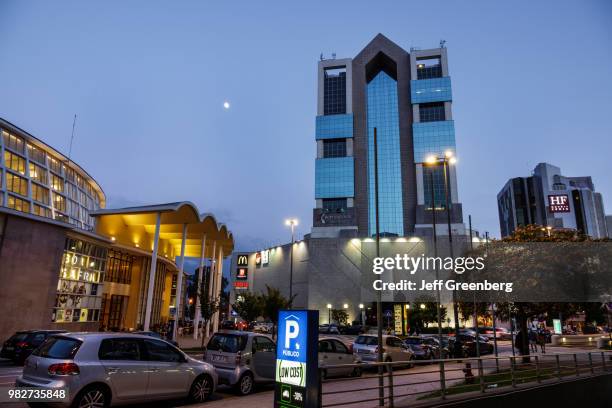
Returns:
point(469, 345)
point(421, 350)
point(21, 344)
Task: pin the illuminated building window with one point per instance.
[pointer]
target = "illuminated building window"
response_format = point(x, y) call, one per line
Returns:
point(13, 142)
point(55, 165)
point(17, 184)
point(41, 211)
point(40, 194)
point(38, 173)
point(36, 154)
point(14, 162)
point(59, 202)
point(57, 183)
point(18, 204)
point(80, 283)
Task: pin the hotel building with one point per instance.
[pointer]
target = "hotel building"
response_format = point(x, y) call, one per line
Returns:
point(550, 199)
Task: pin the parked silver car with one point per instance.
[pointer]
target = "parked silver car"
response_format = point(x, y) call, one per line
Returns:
point(333, 352)
point(103, 369)
point(242, 359)
point(366, 347)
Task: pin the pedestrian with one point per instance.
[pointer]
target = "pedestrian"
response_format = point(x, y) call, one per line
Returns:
point(542, 340)
point(532, 341)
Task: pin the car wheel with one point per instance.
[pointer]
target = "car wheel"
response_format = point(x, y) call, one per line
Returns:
point(323, 374)
point(245, 384)
point(201, 389)
point(357, 372)
point(92, 397)
point(411, 362)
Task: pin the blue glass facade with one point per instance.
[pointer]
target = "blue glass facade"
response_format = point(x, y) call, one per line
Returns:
point(334, 126)
point(431, 90)
point(439, 193)
point(334, 177)
point(432, 138)
point(382, 114)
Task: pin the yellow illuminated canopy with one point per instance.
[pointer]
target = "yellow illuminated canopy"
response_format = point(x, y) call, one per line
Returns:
point(135, 227)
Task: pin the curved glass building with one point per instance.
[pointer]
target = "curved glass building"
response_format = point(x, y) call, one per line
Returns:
point(37, 179)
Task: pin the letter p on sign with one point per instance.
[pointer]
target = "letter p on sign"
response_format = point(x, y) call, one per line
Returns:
point(292, 329)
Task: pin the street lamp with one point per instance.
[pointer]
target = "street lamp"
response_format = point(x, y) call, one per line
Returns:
point(361, 314)
point(446, 160)
point(423, 306)
point(291, 222)
point(329, 307)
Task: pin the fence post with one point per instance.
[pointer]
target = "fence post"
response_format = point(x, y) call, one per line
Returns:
point(512, 362)
point(591, 363)
point(576, 365)
point(443, 380)
point(390, 371)
point(603, 360)
point(481, 375)
point(537, 363)
point(558, 367)
point(320, 396)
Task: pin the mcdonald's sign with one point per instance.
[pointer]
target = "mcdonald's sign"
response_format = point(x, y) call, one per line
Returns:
point(242, 260)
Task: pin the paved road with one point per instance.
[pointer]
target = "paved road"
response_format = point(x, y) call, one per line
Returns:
point(418, 379)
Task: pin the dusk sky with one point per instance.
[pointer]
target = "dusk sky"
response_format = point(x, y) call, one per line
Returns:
point(532, 82)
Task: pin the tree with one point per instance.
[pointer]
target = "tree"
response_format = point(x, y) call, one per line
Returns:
point(566, 273)
point(340, 316)
point(250, 307)
point(272, 302)
point(208, 306)
point(424, 312)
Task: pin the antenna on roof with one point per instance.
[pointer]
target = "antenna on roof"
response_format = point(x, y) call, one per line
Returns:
point(71, 138)
point(442, 43)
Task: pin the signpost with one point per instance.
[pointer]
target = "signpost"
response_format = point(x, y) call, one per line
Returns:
point(297, 375)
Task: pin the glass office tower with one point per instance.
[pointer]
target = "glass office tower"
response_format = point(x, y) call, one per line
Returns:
point(407, 97)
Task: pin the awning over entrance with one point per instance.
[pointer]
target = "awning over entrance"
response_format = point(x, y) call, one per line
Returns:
point(135, 227)
point(171, 230)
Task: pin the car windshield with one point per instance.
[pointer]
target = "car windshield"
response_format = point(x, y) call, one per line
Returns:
point(367, 340)
point(58, 347)
point(227, 343)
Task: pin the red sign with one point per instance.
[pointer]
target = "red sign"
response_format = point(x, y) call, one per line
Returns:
point(242, 273)
point(558, 203)
point(241, 285)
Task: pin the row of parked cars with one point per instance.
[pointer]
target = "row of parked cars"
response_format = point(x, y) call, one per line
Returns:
point(117, 368)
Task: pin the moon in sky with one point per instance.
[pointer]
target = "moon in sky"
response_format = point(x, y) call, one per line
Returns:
point(226, 105)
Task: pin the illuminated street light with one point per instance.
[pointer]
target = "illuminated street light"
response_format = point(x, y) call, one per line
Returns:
point(345, 306)
point(423, 306)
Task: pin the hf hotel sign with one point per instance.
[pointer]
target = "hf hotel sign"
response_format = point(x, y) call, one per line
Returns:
point(297, 375)
point(558, 203)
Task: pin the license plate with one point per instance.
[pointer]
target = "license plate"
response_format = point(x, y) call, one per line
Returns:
point(219, 358)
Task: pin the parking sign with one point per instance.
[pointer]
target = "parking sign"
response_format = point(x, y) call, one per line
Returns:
point(297, 377)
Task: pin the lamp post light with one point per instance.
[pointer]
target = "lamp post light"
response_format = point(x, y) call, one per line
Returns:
point(361, 314)
point(329, 307)
point(446, 161)
point(291, 222)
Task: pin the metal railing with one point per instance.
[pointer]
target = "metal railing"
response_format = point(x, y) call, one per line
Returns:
point(429, 381)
